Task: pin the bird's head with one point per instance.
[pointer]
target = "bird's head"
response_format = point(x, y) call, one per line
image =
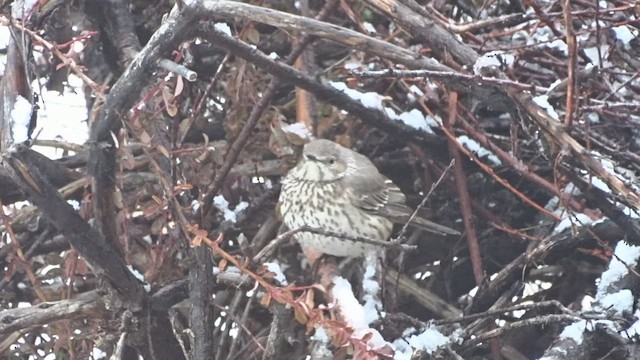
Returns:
point(323, 161)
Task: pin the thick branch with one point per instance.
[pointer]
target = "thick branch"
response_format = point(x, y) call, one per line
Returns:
point(104, 259)
point(85, 305)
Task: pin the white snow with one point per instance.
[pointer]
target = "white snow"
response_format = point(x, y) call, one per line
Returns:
point(372, 100)
point(559, 45)
point(477, 149)
point(574, 331)
point(140, 277)
point(136, 273)
point(414, 118)
point(624, 34)
point(631, 212)
point(578, 219)
point(543, 102)
point(352, 65)
point(195, 205)
point(62, 116)
point(354, 314)
point(242, 206)
point(592, 54)
point(20, 118)
point(22, 8)
point(98, 354)
point(350, 308)
point(320, 335)
point(299, 129)
point(371, 288)
point(625, 255)
point(416, 90)
point(403, 350)
point(274, 267)
point(74, 203)
point(634, 329)
point(369, 27)
point(429, 340)
point(222, 27)
point(228, 269)
point(543, 37)
point(496, 59)
point(5, 36)
point(620, 302)
point(223, 205)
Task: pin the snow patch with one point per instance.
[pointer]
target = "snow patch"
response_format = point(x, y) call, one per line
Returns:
point(222, 27)
point(223, 205)
point(496, 59)
point(592, 54)
point(578, 219)
point(477, 149)
point(413, 118)
point(299, 129)
point(371, 288)
point(593, 118)
point(634, 329)
point(543, 102)
point(574, 331)
point(63, 116)
point(623, 34)
point(559, 45)
point(625, 255)
point(354, 313)
point(20, 119)
point(274, 267)
point(429, 340)
point(140, 277)
point(20, 9)
point(620, 302)
point(369, 27)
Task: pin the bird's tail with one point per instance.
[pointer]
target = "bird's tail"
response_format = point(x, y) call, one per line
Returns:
point(430, 226)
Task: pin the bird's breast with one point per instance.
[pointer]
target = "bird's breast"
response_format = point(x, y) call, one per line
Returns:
point(326, 206)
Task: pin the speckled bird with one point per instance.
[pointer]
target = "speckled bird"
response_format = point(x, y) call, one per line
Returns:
point(339, 190)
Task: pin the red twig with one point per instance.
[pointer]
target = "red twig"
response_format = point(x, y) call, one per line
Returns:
point(77, 69)
point(463, 193)
point(519, 166)
point(571, 66)
point(490, 171)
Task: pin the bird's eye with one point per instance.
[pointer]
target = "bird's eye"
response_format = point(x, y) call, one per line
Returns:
point(332, 161)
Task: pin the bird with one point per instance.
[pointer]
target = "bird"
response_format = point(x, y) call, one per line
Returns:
point(341, 191)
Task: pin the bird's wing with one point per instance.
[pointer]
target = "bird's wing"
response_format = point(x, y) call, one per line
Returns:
point(373, 193)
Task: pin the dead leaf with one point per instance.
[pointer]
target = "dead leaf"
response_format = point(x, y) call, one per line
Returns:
point(300, 315)
point(266, 300)
point(252, 36)
point(223, 264)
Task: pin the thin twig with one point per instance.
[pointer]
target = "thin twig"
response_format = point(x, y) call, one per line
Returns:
point(423, 203)
point(247, 131)
point(179, 69)
point(98, 90)
point(447, 75)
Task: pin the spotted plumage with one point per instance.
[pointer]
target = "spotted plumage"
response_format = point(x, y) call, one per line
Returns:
point(339, 190)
